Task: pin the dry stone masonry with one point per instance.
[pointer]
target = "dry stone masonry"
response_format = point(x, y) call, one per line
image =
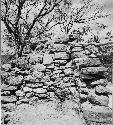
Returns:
point(65, 71)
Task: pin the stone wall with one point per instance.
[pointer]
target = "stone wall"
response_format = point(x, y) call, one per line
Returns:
point(65, 71)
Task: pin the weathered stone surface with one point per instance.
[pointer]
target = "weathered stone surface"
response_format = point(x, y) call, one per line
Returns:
point(15, 80)
point(60, 62)
point(83, 96)
point(102, 82)
point(20, 93)
point(40, 90)
point(35, 58)
point(6, 67)
point(87, 77)
point(8, 88)
point(61, 55)
point(77, 49)
point(29, 78)
point(84, 62)
point(47, 59)
point(39, 67)
point(68, 71)
point(8, 107)
point(6, 93)
point(78, 55)
point(103, 90)
point(96, 113)
point(80, 83)
point(27, 89)
point(93, 70)
point(58, 48)
point(84, 90)
point(34, 85)
point(9, 99)
point(68, 65)
point(98, 99)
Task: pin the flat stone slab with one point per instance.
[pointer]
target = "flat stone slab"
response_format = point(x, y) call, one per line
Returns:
point(93, 70)
point(102, 82)
point(84, 62)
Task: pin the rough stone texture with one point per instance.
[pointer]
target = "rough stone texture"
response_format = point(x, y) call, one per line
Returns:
point(103, 90)
point(102, 82)
point(84, 62)
point(8, 99)
point(98, 99)
point(47, 59)
point(96, 113)
point(61, 55)
point(6, 67)
point(93, 70)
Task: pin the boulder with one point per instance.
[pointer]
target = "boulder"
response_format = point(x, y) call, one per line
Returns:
point(61, 56)
point(98, 99)
point(93, 70)
point(102, 82)
point(103, 90)
point(47, 59)
point(5, 87)
point(97, 114)
point(6, 67)
point(78, 55)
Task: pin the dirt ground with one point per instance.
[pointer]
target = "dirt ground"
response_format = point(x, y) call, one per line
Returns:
point(46, 113)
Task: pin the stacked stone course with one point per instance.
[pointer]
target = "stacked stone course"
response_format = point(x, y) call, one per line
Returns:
point(65, 71)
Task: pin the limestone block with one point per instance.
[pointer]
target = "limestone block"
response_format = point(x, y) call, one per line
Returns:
point(77, 49)
point(34, 85)
point(61, 55)
point(35, 58)
point(6, 93)
point(5, 87)
point(6, 67)
point(39, 67)
point(102, 82)
point(103, 90)
point(27, 89)
point(68, 71)
point(9, 107)
point(12, 80)
point(98, 99)
point(78, 55)
point(47, 59)
point(60, 62)
point(40, 90)
point(20, 93)
point(59, 48)
point(93, 70)
point(100, 114)
point(84, 62)
point(9, 99)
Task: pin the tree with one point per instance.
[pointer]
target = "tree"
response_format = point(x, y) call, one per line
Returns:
point(85, 13)
point(23, 23)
